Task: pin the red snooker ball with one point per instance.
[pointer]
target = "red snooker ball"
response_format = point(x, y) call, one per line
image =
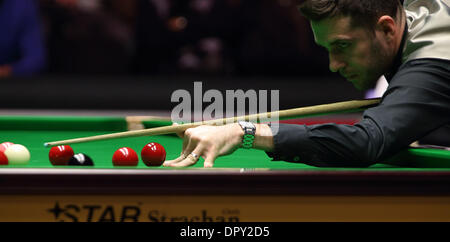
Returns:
point(153, 154)
point(125, 157)
point(3, 159)
point(60, 155)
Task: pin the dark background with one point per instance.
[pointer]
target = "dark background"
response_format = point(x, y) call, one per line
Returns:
point(132, 54)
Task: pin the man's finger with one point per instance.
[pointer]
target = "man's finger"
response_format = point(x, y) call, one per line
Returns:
point(209, 160)
point(169, 162)
point(190, 159)
point(183, 147)
point(191, 145)
point(180, 134)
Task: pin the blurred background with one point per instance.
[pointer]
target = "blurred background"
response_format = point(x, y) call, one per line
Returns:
point(132, 54)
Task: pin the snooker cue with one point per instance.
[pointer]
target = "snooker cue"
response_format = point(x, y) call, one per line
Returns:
point(338, 107)
point(137, 122)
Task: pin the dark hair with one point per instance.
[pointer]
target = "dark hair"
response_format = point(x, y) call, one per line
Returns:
point(362, 12)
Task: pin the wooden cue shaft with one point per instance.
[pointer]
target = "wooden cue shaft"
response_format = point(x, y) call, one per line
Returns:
point(339, 107)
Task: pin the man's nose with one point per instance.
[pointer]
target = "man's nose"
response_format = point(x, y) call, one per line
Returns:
point(335, 63)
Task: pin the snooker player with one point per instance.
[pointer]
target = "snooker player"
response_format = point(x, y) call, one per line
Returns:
point(408, 43)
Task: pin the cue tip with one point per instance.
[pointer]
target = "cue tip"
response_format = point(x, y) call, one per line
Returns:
point(46, 145)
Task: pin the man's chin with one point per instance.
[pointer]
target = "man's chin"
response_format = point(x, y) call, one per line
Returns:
point(361, 85)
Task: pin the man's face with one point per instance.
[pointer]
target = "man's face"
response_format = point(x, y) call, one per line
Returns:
point(357, 54)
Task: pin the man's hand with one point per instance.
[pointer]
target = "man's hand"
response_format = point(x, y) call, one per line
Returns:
point(208, 142)
point(211, 142)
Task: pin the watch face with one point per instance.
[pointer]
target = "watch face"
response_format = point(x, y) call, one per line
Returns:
point(246, 125)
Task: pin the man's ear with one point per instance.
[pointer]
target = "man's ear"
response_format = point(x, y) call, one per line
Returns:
point(387, 26)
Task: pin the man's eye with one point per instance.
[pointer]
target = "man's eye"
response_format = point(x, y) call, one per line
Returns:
point(343, 45)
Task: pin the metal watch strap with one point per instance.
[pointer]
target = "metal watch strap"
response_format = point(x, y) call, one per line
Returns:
point(249, 134)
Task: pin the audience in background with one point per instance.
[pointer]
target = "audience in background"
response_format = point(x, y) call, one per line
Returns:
point(251, 37)
point(84, 38)
point(277, 41)
point(22, 50)
point(157, 37)
point(192, 36)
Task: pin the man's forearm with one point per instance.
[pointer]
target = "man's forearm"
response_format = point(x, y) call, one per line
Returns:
point(263, 138)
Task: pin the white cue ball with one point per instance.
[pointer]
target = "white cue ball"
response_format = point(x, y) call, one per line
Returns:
point(17, 154)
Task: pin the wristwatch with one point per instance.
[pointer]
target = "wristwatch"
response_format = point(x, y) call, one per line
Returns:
point(249, 134)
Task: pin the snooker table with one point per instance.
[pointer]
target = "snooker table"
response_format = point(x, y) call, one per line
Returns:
point(245, 186)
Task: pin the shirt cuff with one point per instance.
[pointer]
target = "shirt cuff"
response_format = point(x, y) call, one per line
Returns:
point(287, 139)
